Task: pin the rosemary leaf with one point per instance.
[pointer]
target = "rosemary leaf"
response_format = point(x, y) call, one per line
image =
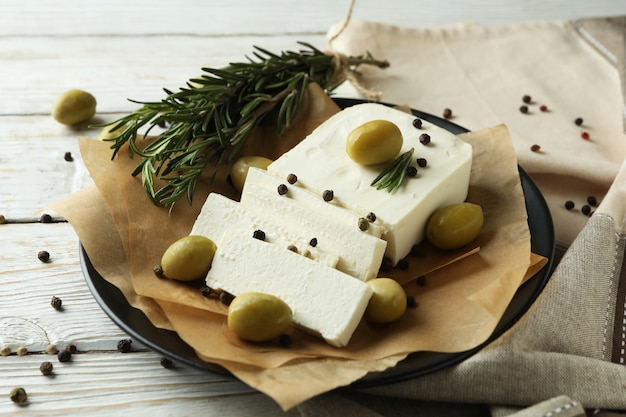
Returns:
point(392, 177)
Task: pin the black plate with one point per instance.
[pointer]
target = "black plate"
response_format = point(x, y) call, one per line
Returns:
point(169, 344)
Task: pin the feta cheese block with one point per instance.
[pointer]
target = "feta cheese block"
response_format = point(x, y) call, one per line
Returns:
point(220, 213)
point(305, 198)
point(323, 300)
point(320, 162)
point(360, 254)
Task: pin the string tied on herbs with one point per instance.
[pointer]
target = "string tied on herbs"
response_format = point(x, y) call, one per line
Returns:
point(343, 71)
point(208, 121)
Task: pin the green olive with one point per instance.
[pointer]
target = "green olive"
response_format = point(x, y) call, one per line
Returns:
point(74, 107)
point(258, 317)
point(108, 132)
point(388, 301)
point(239, 171)
point(374, 142)
point(454, 226)
point(188, 258)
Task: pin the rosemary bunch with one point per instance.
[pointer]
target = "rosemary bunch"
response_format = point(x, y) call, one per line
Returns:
point(209, 120)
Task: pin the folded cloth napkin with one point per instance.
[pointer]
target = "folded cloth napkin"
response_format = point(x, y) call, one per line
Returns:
point(566, 356)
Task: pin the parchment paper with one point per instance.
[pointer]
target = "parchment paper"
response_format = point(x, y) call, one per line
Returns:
point(464, 297)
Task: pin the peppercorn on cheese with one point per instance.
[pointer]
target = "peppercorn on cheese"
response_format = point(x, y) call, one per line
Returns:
point(305, 198)
point(220, 213)
point(324, 301)
point(321, 163)
point(360, 254)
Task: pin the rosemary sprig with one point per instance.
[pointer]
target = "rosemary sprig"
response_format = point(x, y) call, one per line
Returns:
point(209, 120)
point(393, 175)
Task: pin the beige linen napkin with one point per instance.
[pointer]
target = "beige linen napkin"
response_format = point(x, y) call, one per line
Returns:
point(567, 354)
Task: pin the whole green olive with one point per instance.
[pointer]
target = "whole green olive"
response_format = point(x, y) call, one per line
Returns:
point(74, 107)
point(455, 225)
point(374, 142)
point(258, 317)
point(388, 301)
point(239, 170)
point(188, 258)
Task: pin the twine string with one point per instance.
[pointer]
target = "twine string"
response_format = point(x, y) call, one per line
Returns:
point(342, 70)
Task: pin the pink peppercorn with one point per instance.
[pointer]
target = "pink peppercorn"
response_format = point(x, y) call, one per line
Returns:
point(543, 108)
point(584, 135)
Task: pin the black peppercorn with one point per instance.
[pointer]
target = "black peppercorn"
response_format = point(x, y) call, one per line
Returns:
point(124, 345)
point(166, 363)
point(421, 162)
point(158, 270)
point(292, 248)
point(416, 251)
point(403, 264)
point(363, 224)
point(56, 303)
point(46, 368)
point(206, 291)
point(282, 189)
point(259, 234)
point(68, 157)
point(45, 218)
point(411, 171)
point(371, 217)
point(586, 210)
point(527, 99)
point(386, 264)
point(292, 178)
point(578, 121)
point(313, 242)
point(447, 113)
point(18, 395)
point(410, 301)
point(284, 340)
point(523, 109)
point(328, 195)
point(569, 204)
point(3, 219)
point(417, 123)
point(592, 201)
point(64, 356)
point(226, 298)
point(424, 138)
point(421, 280)
point(44, 256)
point(535, 148)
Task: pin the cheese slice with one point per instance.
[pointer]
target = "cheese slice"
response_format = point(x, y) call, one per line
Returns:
point(360, 254)
point(220, 213)
point(323, 300)
point(320, 162)
point(305, 198)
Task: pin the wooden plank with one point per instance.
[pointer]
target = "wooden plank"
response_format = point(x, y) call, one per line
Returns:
point(26, 316)
point(267, 18)
point(116, 68)
point(33, 169)
point(104, 384)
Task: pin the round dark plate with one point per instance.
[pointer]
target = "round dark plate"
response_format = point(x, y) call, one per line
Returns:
point(169, 344)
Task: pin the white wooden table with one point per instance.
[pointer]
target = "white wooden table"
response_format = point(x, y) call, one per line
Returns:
point(132, 49)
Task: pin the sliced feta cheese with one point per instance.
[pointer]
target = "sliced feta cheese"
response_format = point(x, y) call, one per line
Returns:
point(220, 213)
point(314, 201)
point(320, 162)
point(323, 300)
point(360, 254)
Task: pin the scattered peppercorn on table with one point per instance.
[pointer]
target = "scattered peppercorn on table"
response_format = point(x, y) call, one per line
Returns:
point(60, 353)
